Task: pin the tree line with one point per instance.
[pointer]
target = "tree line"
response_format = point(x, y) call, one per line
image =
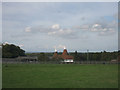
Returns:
point(95, 56)
point(13, 51)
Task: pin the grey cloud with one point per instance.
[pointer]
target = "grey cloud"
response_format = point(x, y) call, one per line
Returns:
point(100, 28)
point(109, 31)
point(83, 18)
point(54, 31)
point(82, 27)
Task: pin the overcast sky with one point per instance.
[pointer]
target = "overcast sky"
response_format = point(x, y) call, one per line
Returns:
point(42, 27)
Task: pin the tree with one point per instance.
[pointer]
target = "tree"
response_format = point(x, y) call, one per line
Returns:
point(11, 51)
point(77, 56)
point(41, 57)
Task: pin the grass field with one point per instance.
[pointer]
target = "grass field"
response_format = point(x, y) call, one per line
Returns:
point(60, 76)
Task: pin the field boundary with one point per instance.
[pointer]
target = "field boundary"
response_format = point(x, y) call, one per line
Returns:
point(5, 61)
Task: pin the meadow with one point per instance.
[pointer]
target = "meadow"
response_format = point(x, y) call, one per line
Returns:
point(60, 76)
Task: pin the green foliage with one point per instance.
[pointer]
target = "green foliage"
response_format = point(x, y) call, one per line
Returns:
point(96, 56)
point(11, 51)
point(43, 57)
point(93, 56)
point(77, 56)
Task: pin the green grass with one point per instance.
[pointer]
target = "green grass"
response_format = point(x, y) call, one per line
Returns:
point(60, 76)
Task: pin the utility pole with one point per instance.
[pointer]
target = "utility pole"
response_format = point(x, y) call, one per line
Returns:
point(87, 55)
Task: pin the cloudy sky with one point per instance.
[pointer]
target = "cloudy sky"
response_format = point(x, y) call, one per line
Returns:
point(44, 26)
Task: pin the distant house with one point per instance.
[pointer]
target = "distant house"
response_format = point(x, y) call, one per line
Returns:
point(64, 57)
point(28, 58)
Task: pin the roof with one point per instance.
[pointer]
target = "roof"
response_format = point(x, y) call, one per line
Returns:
point(63, 56)
point(65, 52)
point(67, 57)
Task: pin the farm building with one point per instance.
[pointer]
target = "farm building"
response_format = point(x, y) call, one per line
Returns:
point(27, 58)
point(65, 56)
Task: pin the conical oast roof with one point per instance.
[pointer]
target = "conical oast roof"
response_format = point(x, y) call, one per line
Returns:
point(65, 52)
point(64, 55)
point(55, 55)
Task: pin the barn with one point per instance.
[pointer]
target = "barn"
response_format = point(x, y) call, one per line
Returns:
point(27, 58)
point(65, 56)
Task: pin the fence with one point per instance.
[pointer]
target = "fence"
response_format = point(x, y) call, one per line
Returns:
point(8, 60)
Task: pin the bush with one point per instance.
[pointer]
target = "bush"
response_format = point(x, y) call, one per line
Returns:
point(11, 51)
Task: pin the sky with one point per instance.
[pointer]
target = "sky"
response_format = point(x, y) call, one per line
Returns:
point(46, 26)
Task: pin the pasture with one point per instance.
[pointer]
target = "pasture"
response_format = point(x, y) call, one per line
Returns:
point(60, 76)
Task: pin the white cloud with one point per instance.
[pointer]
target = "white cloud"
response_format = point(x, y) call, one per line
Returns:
point(28, 29)
point(104, 28)
point(5, 43)
point(21, 45)
point(96, 26)
point(63, 33)
point(59, 47)
point(56, 26)
point(58, 31)
point(51, 33)
point(55, 31)
point(106, 32)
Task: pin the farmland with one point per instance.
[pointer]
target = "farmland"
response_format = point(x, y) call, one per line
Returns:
point(60, 76)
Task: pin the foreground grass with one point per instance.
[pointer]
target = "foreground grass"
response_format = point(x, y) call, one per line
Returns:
point(60, 76)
